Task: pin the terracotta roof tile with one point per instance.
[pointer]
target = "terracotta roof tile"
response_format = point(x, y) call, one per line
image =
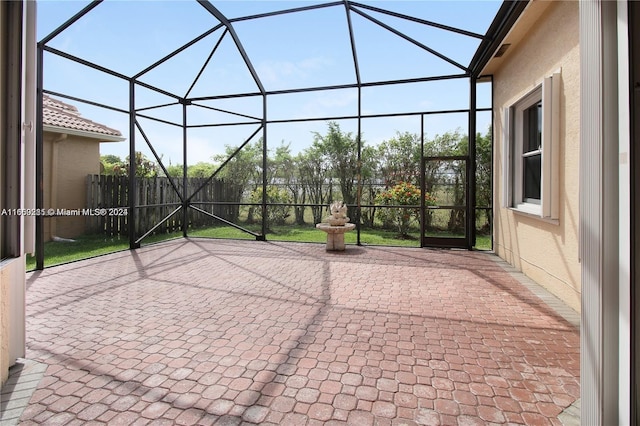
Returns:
point(59, 114)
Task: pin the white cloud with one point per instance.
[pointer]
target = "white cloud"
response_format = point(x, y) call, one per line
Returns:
point(329, 103)
point(338, 99)
point(287, 74)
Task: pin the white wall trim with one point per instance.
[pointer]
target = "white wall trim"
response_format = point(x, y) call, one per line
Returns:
point(599, 213)
point(28, 201)
point(624, 210)
point(506, 158)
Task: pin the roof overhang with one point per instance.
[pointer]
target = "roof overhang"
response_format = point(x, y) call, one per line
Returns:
point(99, 137)
point(502, 25)
point(506, 41)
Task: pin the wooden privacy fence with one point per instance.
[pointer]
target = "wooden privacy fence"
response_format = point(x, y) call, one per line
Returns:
point(156, 199)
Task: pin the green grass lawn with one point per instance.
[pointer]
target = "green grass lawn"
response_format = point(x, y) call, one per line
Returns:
point(309, 234)
point(87, 246)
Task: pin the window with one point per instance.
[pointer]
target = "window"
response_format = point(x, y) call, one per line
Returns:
point(531, 161)
point(531, 147)
point(527, 152)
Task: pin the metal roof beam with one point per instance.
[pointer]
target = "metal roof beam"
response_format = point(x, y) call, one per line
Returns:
point(286, 11)
point(336, 87)
point(159, 160)
point(70, 22)
point(157, 106)
point(206, 62)
point(352, 39)
point(85, 101)
point(237, 114)
point(223, 19)
point(420, 21)
point(85, 62)
point(178, 50)
point(411, 40)
point(224, 163)
point(155, 89)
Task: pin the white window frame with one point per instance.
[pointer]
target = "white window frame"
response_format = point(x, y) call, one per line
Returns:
point(548, 93)
point(533, 206)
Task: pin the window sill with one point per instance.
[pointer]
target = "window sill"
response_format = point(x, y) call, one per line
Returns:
point(533, 212)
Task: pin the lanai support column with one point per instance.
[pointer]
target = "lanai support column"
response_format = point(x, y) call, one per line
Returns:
point(599, 231)
point(356, 68)
point(185, 195)
point(265, 152)
point(133, 213)
point(423, 185)
point(39, 160)
point(471, 166)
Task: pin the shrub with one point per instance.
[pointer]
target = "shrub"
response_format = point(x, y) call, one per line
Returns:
point(402, 194)
point(276, 214)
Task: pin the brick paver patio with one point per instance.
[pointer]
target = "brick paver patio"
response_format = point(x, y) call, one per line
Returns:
point(228, 332)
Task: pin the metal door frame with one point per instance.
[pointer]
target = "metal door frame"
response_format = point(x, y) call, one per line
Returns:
point(447, 242)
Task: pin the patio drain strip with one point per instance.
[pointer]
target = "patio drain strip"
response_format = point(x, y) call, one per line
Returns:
point(23, 380)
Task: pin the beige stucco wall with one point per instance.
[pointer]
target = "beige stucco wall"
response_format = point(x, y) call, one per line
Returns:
point(4, 287)
point(546, 252)
point(68, 159)
point(12, 277)
point(4, 324)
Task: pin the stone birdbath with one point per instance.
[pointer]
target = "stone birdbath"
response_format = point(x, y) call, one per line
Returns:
point(336, 225)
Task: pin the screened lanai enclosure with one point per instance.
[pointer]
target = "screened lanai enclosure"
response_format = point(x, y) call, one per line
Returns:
point(247, 119)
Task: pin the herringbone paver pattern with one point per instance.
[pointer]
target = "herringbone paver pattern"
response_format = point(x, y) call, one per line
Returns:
point(234, 332)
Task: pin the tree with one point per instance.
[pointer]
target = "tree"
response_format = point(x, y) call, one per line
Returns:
point(144, 167)
point(446, 179)
point(115, 167)
point(484, 190)
point(312, 172)
point(451, 174)
point(174, 170)
point(200, 170)
point(447, 144)
point(400, 159)
point(243, 170)
point(283, 171)
point(110, 159)
point(276, 212)
point(369, 175)
point(340, 151)
point(112, 165)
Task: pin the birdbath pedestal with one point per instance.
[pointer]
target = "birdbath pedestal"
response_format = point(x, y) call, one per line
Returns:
point(335, 234)
point(336, 225)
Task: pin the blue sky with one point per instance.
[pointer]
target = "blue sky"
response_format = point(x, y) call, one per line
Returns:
point(290, 51)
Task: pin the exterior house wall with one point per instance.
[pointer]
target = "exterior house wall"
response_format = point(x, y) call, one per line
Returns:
point(68, 159)
point(545, 251)
point(12, 278)
point(4, 327)
point(13, 35)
